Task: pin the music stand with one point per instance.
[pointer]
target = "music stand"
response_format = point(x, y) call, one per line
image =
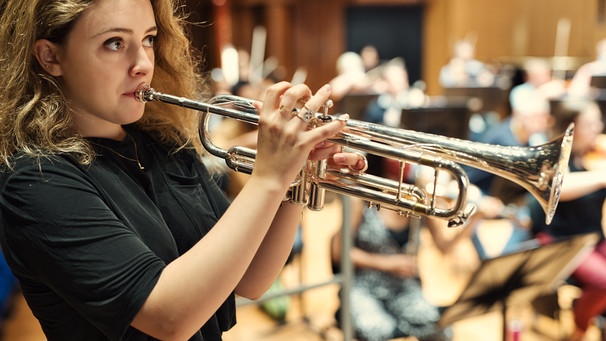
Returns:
point(598, 81)
point(442, 116)
point(355, 104)
point(493, 98)
point(518, 277)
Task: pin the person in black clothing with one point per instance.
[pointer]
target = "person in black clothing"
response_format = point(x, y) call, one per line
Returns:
point(109, 219)
point(580, 210)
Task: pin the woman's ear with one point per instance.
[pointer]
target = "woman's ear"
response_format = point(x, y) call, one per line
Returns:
point(46, 54)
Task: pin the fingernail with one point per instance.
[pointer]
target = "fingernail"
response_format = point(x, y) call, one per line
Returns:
point(344, 117)
point(339, 158)
point(326, 87)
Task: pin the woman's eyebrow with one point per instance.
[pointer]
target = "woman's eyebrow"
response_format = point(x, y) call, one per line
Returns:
point(124, 30)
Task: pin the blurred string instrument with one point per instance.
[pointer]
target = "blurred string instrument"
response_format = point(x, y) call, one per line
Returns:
point(539, 169)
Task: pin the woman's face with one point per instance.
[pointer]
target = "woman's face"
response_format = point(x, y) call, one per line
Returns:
point(587, 127)
point(108, 53)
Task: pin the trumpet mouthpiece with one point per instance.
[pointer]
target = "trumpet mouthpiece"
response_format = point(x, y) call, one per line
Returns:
point(144, 92)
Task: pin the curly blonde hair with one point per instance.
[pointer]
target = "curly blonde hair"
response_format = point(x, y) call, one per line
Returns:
point(34, 118)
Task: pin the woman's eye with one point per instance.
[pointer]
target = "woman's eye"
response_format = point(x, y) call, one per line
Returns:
point(114, 44)
point(149, 41)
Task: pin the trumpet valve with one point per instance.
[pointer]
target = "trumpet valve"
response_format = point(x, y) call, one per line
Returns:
point(327, 105)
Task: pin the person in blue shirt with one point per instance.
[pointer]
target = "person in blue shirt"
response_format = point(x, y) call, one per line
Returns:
point(527, 125)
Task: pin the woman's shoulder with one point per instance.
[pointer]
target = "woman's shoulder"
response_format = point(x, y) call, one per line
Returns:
point(42, 168)
point(21, 162)
point(39, 186)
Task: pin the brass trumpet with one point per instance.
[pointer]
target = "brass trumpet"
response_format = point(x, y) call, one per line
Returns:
point(539, 169)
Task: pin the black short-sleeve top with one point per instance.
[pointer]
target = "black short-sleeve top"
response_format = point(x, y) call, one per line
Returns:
point(88, 243)
point(579, 216)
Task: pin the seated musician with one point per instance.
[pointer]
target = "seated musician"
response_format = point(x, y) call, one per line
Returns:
point(538, 81)
point(580, 84)
point(464, 70)
point(580, 210)
point(395, 95)
point(386, 297)
point(351, 76)
point(527, 125)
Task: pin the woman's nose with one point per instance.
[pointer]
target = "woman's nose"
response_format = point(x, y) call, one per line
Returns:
point(143, 61)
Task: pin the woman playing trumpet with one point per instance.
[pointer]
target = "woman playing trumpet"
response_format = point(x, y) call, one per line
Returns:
point(109, 219)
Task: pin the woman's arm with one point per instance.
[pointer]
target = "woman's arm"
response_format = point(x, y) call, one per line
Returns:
point(247, 248)
point(277, 244)
point(192, 287)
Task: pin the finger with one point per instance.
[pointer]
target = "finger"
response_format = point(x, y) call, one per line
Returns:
point(356, 162)
point(323, 132)
point(325, 150)
point(291, 100)
point(313, 104)
point(273, 95)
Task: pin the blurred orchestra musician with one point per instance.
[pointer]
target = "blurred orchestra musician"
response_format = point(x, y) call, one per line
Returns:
point(395, 94)
point(580, 210)
point(580, 84)
point(463, 69)
point(370, 57)
point(386, 297)
point(351, 76)
point(466, 76)
point(527, 125)
point(538, 81)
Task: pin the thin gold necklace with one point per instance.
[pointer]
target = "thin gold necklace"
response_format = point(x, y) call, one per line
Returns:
point(136, 160)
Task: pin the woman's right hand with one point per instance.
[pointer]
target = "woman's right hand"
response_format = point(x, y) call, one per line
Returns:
point(284, 141)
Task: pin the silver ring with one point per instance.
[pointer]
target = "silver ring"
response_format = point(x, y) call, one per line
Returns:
point(305, 114)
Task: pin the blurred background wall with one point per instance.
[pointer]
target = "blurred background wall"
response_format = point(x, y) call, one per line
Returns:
point(311, 34)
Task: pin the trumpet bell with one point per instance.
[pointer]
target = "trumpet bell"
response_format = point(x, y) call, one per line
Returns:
point(558, 154)
point(538, 169)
